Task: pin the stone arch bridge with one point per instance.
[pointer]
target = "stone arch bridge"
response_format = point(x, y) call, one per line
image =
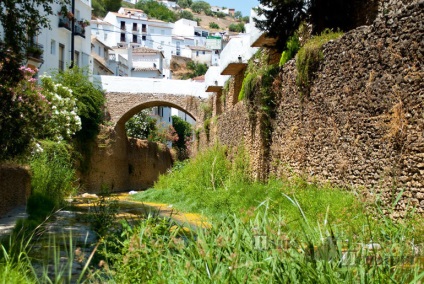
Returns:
point(126, 96)
point(123, 164)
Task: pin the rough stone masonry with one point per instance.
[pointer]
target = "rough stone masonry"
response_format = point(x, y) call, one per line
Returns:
point(362, 126)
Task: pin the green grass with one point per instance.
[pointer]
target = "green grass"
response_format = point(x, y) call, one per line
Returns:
point(260, 249)
point(213, 186)
point(274, 232)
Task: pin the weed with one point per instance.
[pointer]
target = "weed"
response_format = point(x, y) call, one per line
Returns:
point(309, 57)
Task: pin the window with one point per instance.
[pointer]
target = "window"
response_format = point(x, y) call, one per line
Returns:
point(122, 25)
point(61, 57)
point(143, 38)
point(203, 52)
point(197, 53)
point(53, 47)
point(143, 28)
point(122, 37)
point(134, 39)
point(134, 27)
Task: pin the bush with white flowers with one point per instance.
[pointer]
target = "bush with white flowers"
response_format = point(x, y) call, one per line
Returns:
point(63, 120)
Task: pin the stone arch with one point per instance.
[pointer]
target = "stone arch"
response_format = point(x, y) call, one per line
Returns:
point(148, 104)
point(122, 106)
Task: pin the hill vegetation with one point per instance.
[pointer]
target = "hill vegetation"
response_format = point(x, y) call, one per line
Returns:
point(199, 11)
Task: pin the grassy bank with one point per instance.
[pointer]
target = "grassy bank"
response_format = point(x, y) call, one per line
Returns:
point(275, 232)
point(211, 185)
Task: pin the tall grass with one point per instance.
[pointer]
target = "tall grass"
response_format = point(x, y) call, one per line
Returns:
point(53, 177)
point(261, 249)
point(211, 185)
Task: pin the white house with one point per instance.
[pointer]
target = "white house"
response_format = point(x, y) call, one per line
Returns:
point(100, 54)
point(56, 43)
point(102, 30)
point(147, 63)
point(169, 3)
point(201, 54)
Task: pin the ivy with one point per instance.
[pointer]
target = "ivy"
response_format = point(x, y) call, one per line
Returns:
point(258, 93)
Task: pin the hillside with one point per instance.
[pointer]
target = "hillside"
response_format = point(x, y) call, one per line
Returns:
point(205, 20)
point(223, 23)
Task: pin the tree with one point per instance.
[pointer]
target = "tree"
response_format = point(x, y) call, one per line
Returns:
point(112, 5)
point(282, 18)
point(341, 15)
point(184, 132)
point(238, 15)
point(156, 10)
point(184, 3)
point(184, 14)
point(199, 6)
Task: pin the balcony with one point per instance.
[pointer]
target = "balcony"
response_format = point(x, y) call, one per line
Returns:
point(35, 51)
point(214, 81)
point(79, 29)
point(64, 22)
point(235, 55)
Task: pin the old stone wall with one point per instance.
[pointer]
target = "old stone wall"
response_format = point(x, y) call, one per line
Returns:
point(15, 187)
point(362, 125)
point(146, 161)
point(120, 164)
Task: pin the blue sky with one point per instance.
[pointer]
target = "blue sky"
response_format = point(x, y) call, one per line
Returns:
point(243, 6)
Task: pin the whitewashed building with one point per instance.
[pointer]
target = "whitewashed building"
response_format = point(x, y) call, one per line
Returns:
point(201, 54)
point(100, 54)
point(147, 63)
point(54, 48)
point(169, 3)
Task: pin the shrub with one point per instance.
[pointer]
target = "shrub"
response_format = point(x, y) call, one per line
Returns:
point(184, 14)
point(292, 47)
point(63, 120)
point(197, 69)
point(239, 28)
point(199, 6)
point(90, 100)
point(23, 113)
point(141, 125)
point(221, 15)
point(213, 25)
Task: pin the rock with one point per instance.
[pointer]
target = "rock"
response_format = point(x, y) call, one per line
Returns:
point(89, 195)
point(372, 246)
